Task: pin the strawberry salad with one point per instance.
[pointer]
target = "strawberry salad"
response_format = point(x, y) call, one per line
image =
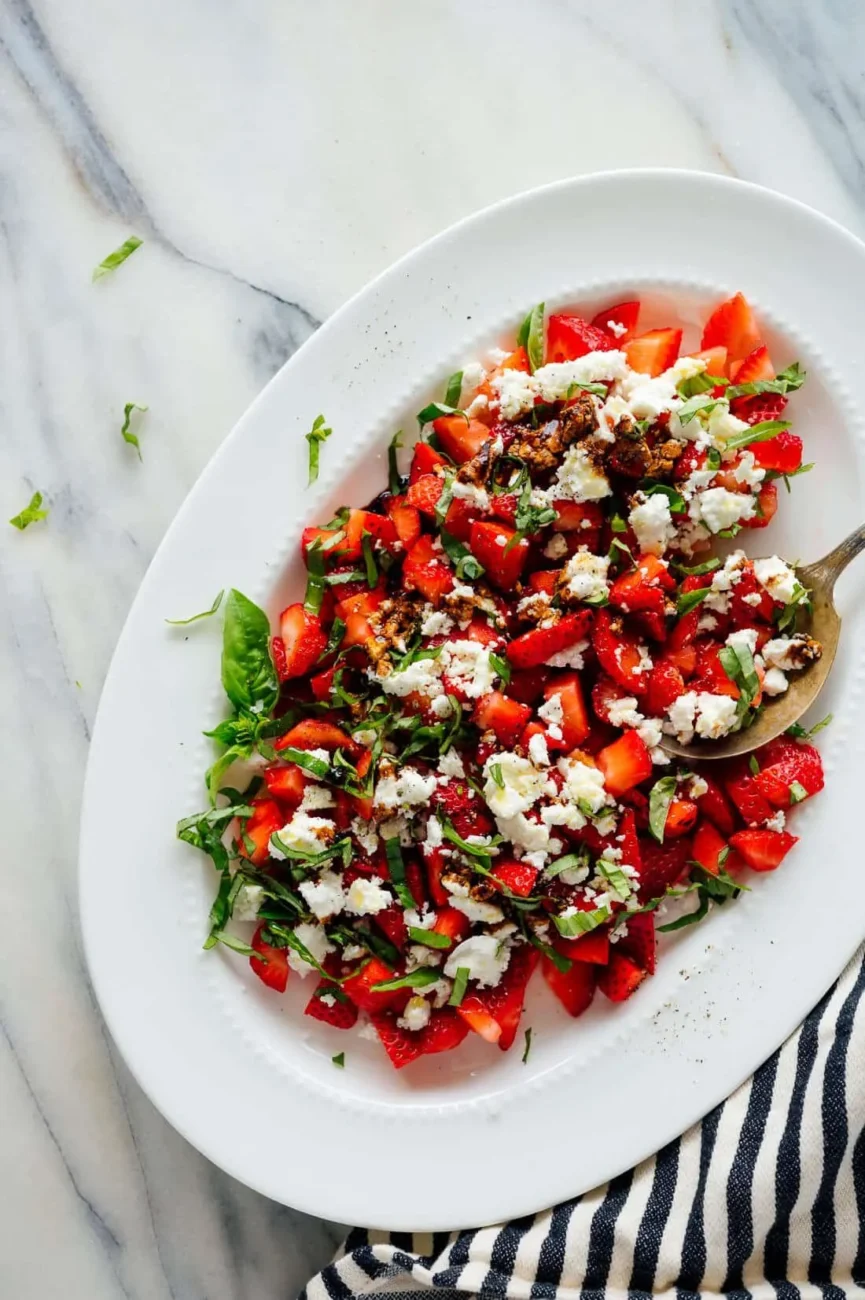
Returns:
point(452, 750)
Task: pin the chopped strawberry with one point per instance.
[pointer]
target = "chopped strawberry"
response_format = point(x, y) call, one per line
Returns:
point(303, 640)
point(359, 987)
point(582, 517)
point(756, 365)
point(641, 589)
point(526, 685)
point(715, 805)
point(406, 521)
point(767, 504)
point(391, 922)
point(732, 326)
point(424, 494)
point(575, 724)
point(681, 816)
point(455, 925)
point(504, 506)
point(536, 647)
point(620, 653)
point(315, 733)
point(666, 684)
point(763, 850)
point(517, 877)
point(267, 817)
point(271, 966)
point(754, 808)
point(625, 763)
point(330, 1005)
point(662, 865)
point(619, 980)
point(322, 683)
point(544, 580)
point(758, 408)
point(593, 947)
point(425, 461)
point(503, 715)
point(445, 1030)
point(462, 439)
point(624, 314)
point(277, 654)
point(654, 352)
point(495, 1013)
point(604, 693)
point(425, 571)
point(575, 988)
point(709, 844)
point(402, 1045)
point(463, 806)
point(744, 610)
point(783, 453)
point(460, 517)
point(286, 784)
point(715, 359)
point(435, 863)
point(639, 941)
point(569, 337)
point(784, 761)
point(489, 542)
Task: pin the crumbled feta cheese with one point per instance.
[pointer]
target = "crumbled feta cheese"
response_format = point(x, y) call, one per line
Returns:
point(479, 912)
point(563, 814)
point(436, 622)
point(474, 375)
point(570, 657)
point(748, 472)
point(583, 783)
point(538, 752)
point(526, 835)
point(697, 787)
point(523, 784)
point(652, 523)
point(421, 676)
point(441, 706)
point(365, 834)
point(248, 901)
point(552, 711)
point(423, 920)
point(366, 897)
point(485, 958)
point(778, 579)
point(753, 599)
point(477, 404)
point(578, 479)
point(557, 547)
point(316, 796)
point(434, 838)
point(586, 575)
point(650, 732)
point(776, 822)
point(617, 328)
point(719, 509)
point(365, 736)
point(681, 715)
point(790, 653)
point(451, 764)
point(721, 425)
point(467, 665)
point(324, 897)
point(775, 682)
point(624, 712)
point(471, 492)
point(723, 581)
point(416, 1015)
point(744, 639)
point(516, 392)
point(407, 790)
point(305, 833)
point(716, 715)
point(554, 381)
point(315, 941)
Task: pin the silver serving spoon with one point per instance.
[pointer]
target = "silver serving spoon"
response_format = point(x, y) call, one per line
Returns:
point(824, 624)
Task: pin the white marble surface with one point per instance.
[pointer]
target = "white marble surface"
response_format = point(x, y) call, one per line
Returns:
point(273, 155)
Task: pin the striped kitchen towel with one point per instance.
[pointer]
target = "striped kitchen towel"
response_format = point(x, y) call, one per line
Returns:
point(764, 1198)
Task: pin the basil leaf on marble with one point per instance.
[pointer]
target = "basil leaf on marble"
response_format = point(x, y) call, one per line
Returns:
point(125, 430)
point(118, 257)
point(30, 514)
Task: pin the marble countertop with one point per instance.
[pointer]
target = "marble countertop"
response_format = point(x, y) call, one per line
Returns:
point(273, 156)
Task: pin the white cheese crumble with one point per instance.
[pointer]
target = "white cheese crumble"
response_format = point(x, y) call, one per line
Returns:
point(711, 716)
point(470, 492)
point(305, 833)
point(365, 834)
point(778, 579)
point(775, 682)
point(324, 897)
point(416, 1015)
point(570, 657)
point(552, 711)
point(407, 790)
point(436, 622)
point(451, 765)
point(586, 575)
point(479, 912)
point(316, 796)
point(367, 897)
point(583, 783)
point(523, 784)
point(719, 509)
point(538, 752)
point(421, 676)
point(556, 548)
point(777, 822)
point(578, 479)
point(485, 958)
point(248, 901)
point(467, 664)
point(652, 523)
point(315, 941)
point(624, 712)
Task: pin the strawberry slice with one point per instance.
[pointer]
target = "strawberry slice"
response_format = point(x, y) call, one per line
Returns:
point(518, 877)
point(784, 761)
point(576, 723)
point(782, 453)
point(625, 763)
point(341, 1015)
point(763, 850)
point(425, 461)
point(527, 684)
point(759, 408)
point(732, 326)
point(583, 517)
point(424, 493)
point(436, 863)
point(767, 504)
point(267, 817)
point(359, 987)
point(544, 580)
point(604, 693)
point(460, 517)
point(715, 359)
point(681, 817)
point(271, 966)
point(463, 806)
point(286, 784)
point(504, 716)
point(462, 439)
point(495, 1013)
point(619, 980)
point(756, 365)
point(619, 653)
point(444, 1031)
point(303, 640)
point(406, 521)
point(754, 808)
point(654, 352)
point(666, 684)
point(715, 805)
point(709, 844)
point(593, 947)
point(489, 543)
point(662, 865)
point(392, 924)
point(625, 314)
point(569, 337)
point(277, 653)
point(575, 988)
point(401, 1045)
point(534, 648)
point(639, 941)
point(451, 923)
point(314, 733)
point(425, 571)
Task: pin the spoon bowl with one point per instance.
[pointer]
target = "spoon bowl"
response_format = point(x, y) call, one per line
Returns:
point(824, 624)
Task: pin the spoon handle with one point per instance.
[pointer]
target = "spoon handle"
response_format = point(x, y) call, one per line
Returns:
point(832, 565)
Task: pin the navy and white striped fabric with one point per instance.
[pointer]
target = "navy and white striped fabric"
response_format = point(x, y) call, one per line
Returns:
point(764, 1198)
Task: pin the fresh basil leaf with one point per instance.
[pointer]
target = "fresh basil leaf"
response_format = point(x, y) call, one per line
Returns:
point(479, 852)
point(236, 945)
point(125, 430)
point(222, 906)
point(118, 257)
point(701, 404)
point(334, 640)
point(754, 765)
point(338, 1060)
point(689, 600)
point(757, 433)
point(248, 674)
point(675, 498)
point(30, 514)
point(690, 918)
point(597, 390)
point(797, 792)
point(447, 494)
point(435, 411)
point(787, 381)
point(562, 964)
point(531, 337)
point(415, 979)
point(660, 797)
point(214, 774)
point(528, 1046)
point(429, 938)
point(700, 383)
point(465, 564)
point(618, 524)
point(501, 667)
point(798, 732)
point(396, 871)
point(370, 565)
point(697, 570)
point(193, 618)
point(290, 940)
point(394, 478)
point(309, 762)
point(453, 390)
point(497, 775)
point(615, 878)
point(570, 927)
point(458, 991)
point(570, 862)
point(318, 434)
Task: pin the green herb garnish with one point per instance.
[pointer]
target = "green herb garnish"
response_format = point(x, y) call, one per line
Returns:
point(125, 430)
point(458, 991)
point(318, 434)
point(531, 337)
point(689, 600)
point(193, 618)
point(394, 478)
point(660, 797)
point(528, 1046)
point(339, 1060)
point(30, 514)
point(118, 257)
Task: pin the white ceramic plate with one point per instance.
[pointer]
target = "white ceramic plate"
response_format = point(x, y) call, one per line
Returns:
point(475, 1135)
